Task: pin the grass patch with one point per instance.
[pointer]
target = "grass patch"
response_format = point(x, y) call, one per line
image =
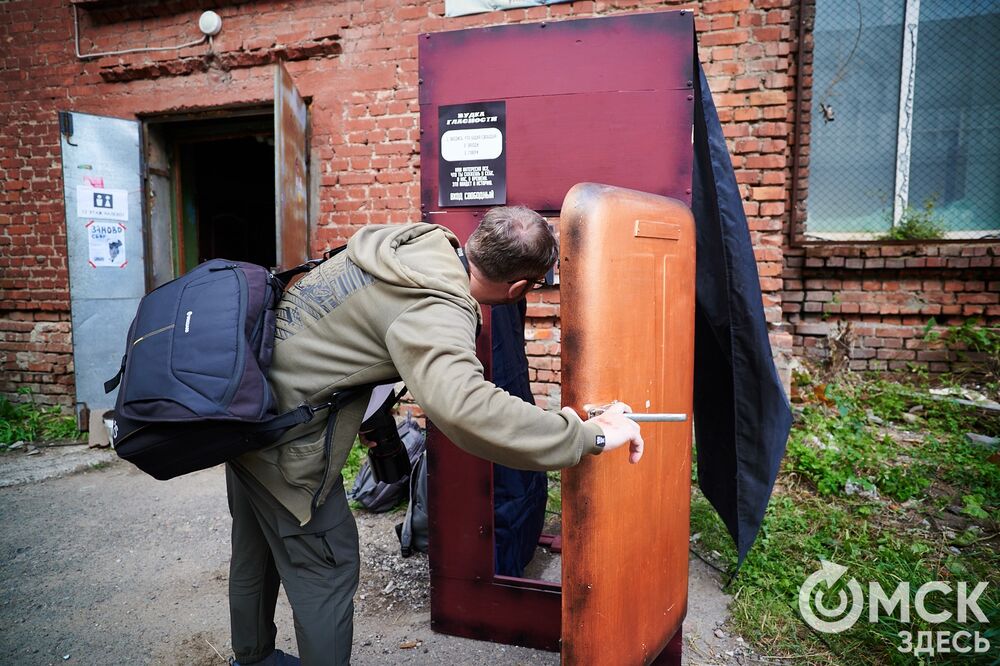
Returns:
point(28, 421)
point(355, 459)
point(352, 467)
point(553, 502)
point(879, 477)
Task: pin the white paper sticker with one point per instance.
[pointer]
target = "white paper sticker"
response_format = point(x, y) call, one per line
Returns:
point(471, 144)
point(107, 244)
point(94, 202)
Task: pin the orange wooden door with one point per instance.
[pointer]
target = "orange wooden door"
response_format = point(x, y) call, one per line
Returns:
point(628, 285)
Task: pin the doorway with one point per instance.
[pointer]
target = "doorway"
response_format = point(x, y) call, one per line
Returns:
point(210, 192)
point(227, 200)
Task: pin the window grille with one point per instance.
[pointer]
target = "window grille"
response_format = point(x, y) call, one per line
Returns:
point(905, 114)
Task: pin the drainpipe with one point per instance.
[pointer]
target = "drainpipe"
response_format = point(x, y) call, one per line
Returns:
point(799, 76)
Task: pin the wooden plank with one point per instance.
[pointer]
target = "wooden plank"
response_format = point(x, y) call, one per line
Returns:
point(627, 334)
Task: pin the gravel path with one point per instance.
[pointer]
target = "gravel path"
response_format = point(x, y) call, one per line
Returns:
point(108, 566)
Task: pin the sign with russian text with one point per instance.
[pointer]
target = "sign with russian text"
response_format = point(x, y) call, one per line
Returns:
point(472, 164)
point(106, 244)
point(107, 204)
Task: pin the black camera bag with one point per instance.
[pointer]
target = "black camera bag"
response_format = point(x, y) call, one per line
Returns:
point(193, 382)
point(377, 496)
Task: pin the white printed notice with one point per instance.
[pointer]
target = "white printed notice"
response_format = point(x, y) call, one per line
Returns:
point(465, 144)
point(472, 169)
point(94, 202)
point(106, 241)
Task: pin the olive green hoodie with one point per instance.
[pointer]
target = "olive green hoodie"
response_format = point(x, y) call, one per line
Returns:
point(395, 304)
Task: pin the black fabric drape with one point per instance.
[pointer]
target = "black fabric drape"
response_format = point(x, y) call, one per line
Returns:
point(741, 414)
point(519, 496)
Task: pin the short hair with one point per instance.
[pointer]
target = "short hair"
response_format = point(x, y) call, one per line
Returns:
point(512, 243)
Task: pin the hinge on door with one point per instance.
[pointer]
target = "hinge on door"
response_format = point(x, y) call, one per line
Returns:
point(66, 125)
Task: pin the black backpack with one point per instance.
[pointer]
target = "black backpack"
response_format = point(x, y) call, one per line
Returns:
point(379, 497)
point(193, 381)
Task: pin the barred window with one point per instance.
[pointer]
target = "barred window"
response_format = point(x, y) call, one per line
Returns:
point(905, 119)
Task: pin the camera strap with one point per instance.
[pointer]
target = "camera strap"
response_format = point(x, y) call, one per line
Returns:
point(465, 262)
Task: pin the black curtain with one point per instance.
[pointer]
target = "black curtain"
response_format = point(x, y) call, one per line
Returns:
point(741, 414)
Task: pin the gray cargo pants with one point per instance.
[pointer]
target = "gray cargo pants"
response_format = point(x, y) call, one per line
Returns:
point(318, 565)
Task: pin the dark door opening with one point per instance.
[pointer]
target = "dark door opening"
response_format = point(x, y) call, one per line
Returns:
point(210, 193)
point(228, 199)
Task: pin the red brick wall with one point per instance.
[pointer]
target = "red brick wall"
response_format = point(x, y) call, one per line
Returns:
point(35, 348)
point(871, 304)
point(357, 63)
point(746, 49)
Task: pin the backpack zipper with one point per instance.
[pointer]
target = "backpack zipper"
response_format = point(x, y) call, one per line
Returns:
point(274, 290)
point(151, 334)
point(240, 339)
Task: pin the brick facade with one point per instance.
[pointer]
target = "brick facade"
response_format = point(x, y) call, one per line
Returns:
point(866, 305)
point(356, 62)
point(872, 303)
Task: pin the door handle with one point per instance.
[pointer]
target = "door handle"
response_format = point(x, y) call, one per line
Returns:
point(655, 418)
point(638, 417)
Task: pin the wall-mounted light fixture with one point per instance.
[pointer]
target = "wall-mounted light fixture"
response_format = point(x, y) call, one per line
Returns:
point(210, 23)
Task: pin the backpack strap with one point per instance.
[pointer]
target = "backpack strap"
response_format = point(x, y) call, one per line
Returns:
point(464, 259)
point(284, 276)
point(293, 417)
point(113, 383)
point(465, 264)
point(305, 413)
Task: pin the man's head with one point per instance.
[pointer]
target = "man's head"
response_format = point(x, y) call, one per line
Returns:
point(508, 253)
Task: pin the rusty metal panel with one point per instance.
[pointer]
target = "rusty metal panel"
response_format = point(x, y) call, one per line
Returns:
point(627, 264)
point(290, 180)
point(607, 99)
point(643, 51)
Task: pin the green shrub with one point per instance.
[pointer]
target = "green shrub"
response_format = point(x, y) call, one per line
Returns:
point(970, 336)
point(352, 465)
point(917, 224)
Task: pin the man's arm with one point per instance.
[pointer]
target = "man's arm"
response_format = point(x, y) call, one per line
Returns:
point(432, 347)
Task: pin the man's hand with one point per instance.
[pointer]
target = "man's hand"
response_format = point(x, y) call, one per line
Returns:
point(618, 430)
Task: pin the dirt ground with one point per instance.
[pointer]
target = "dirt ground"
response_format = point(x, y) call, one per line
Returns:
point(101, 564)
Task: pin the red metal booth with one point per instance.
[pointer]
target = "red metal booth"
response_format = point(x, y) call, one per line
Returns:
point(521, 114)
